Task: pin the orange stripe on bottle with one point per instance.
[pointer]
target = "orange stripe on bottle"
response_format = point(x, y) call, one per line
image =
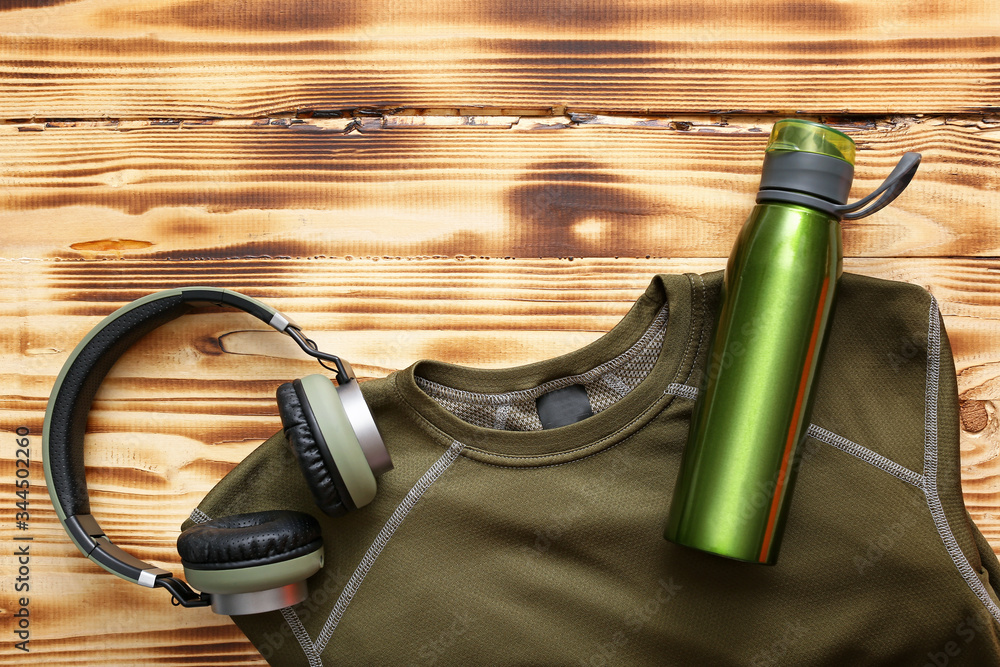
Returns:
point(790, 440)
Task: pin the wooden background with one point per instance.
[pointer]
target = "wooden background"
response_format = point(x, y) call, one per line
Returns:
point(485, 182)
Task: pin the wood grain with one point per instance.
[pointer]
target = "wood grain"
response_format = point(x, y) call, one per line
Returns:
point(204, 385)
point(227, 58)
point(412, 186)
point(161, 438)
point(403, 178)
point(192, 399)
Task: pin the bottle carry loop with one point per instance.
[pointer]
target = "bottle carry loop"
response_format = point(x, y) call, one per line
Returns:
point(891, 188)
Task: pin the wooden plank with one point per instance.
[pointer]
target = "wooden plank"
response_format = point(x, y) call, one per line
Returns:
point(177, 381)
point(223, 58)
point(181, 410)
point(502, 186)
point(417, 157)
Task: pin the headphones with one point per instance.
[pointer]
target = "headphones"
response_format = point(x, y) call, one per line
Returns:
point(246, 563)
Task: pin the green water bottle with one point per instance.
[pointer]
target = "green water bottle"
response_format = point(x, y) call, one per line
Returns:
point(736, 477)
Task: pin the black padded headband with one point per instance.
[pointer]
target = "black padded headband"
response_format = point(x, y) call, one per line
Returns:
point(74, 390)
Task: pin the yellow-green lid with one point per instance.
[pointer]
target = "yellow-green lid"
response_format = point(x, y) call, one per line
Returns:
point(793, 134)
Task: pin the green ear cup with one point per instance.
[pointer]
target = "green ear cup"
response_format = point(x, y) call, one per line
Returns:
point(254, 562)
point(256, 577)
point(338, 437)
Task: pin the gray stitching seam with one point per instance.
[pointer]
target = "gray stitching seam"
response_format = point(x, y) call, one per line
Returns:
point(704, 323)
point(312, 650)
point(299, 630)
point(383, 537)
point(690, 336)
point(292, 618)
point(595, 373)
point(930, 464)
point(500, 418)
point(683, 390)
point(199, 517)
point(597, 444)
point(585, 456)
point(840, 442)
point(440, 435)
point(888, 465)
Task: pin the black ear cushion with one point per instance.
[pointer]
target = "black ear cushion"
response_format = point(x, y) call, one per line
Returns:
point(320, 472)
point(243, 540)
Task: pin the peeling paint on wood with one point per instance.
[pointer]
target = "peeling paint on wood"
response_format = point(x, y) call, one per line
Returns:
point(410, 186)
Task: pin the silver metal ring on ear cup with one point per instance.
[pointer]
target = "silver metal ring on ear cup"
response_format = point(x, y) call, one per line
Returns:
point(259, 602)
point(256, 589)
point(336, 433)
point(364, 427)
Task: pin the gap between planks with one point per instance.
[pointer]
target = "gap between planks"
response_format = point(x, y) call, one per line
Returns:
point(362, 119)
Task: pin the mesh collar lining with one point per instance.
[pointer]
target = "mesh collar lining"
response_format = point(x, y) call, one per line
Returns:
point(515, 410)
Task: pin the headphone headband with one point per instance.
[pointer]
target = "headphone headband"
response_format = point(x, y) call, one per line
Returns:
point(70, 402)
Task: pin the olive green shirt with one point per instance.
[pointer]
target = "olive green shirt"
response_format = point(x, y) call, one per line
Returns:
point(494, 541)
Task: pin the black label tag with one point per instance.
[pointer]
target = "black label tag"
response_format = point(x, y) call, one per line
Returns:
point(563, 406)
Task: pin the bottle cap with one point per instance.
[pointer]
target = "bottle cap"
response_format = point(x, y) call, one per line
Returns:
point(811, 164)
point(809, 158)
point(793, 134)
